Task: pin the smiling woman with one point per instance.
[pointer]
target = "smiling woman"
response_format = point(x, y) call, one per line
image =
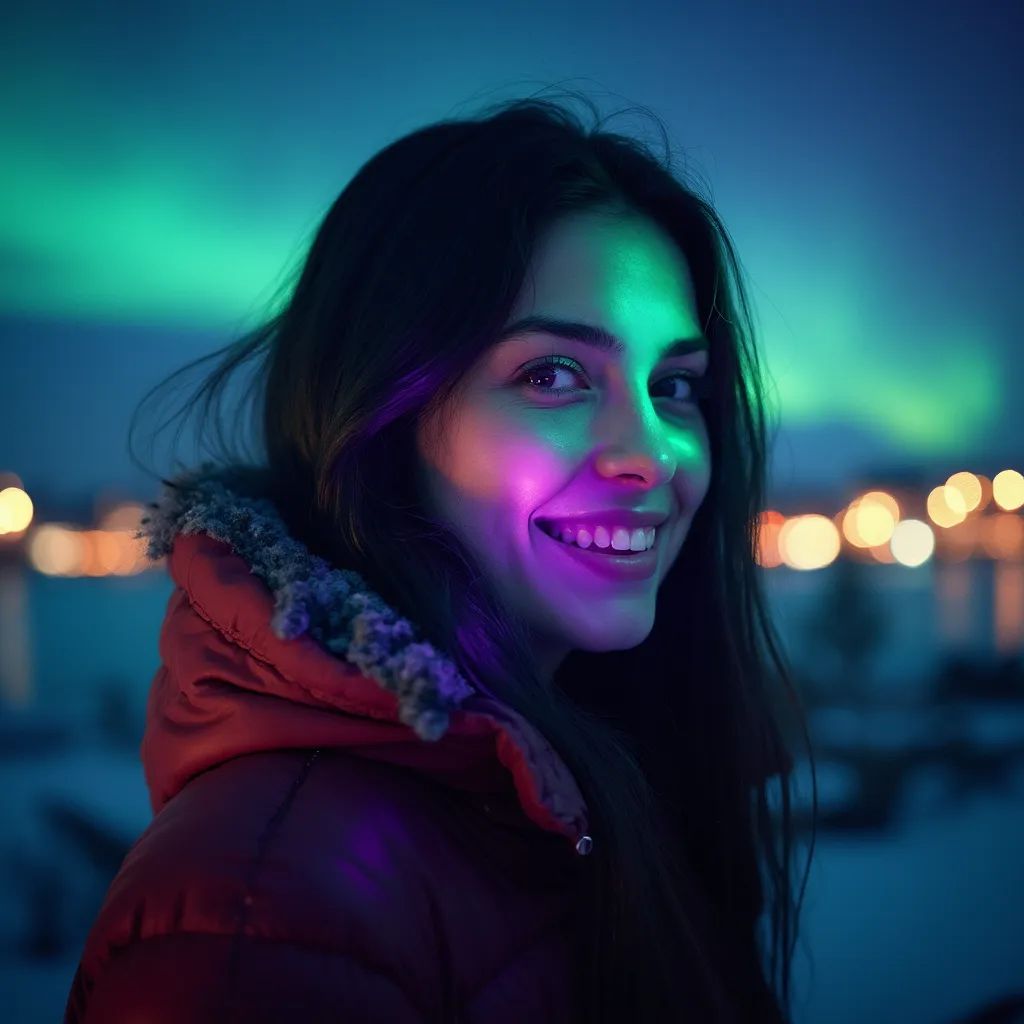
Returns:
point(468, 699)
point(622, 447)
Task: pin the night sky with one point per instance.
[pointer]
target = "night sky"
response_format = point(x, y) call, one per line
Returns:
point(164, 167)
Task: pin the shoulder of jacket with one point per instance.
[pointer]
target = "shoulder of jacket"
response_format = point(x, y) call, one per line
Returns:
point(278, 850)
point(218, 979)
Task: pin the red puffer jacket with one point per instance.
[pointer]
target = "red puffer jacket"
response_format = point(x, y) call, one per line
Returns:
point(344, 830)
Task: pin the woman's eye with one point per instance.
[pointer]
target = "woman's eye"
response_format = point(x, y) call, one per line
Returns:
point(685, 386)
point(689, 387)
point(544, 371)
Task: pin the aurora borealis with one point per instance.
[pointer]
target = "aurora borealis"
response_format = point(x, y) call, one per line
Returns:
point(164, 168)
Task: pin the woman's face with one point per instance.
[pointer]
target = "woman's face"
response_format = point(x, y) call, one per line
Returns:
point(626, 434)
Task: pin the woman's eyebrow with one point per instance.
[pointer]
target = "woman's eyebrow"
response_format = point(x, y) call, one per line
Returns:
point(597, 337)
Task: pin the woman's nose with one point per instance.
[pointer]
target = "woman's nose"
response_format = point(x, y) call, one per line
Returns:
point(638, 445)
point(652, 465)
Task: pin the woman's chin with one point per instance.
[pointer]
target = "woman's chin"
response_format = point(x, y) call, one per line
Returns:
point(612, 631)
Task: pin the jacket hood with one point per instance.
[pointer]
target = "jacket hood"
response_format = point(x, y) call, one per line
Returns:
point(265, 645)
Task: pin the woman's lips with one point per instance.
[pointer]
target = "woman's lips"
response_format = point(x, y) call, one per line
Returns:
point(609, 563)
point(552, 530)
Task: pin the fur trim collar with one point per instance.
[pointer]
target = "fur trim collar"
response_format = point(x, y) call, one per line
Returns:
point(334, 606)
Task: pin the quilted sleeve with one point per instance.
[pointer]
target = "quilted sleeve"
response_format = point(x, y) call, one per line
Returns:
point(211, 979)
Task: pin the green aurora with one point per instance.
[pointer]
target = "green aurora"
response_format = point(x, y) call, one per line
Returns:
point(110, 214)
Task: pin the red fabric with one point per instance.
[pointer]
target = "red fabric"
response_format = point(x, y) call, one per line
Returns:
point(219, 653)
point(385, 878)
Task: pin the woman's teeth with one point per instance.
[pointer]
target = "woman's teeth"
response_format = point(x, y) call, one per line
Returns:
point(618, 538)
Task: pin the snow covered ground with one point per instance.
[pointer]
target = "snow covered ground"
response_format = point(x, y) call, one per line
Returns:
point(921, 925)
point(109, 785)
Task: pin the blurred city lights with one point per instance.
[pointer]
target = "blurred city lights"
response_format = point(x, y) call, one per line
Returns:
point(986, 492)
point(869, 520)
point(1008, 610)
point(870, 523)
point(946, 506)
point(59, 550)
point(1008, 489)
point(809, 542)
point(849, 526)
point(1003, 536)
point(769, 524)
point(961, 541)
point(884, 499)
point(15, 510)
point(55, 550)
point(969, 487)
point(882, 553)
point(912, 542)
point(126, 516)
point(875, 524)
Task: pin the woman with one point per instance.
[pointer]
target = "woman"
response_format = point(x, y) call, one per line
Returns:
point(464, 710)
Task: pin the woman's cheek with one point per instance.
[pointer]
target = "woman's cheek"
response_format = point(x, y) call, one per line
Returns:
point(696, 467)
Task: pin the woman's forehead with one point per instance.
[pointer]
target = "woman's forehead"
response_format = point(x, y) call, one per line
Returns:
point(624, 274)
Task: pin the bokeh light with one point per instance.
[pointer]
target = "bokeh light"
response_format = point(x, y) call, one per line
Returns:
point(1003, 536)
point(103, 553)
point(969, 487)
point(961, 541)
point(986, 492)
point(770, 523)
point(874, 524)
point(125, 516)
point(55, 550)
point(946, 506)
point(885, 500)
point(809, 542)
point(1008, 489)
point(882, 553)
point(60, 550)
point(912, 542)
point(869, 520)
point(850, 525)
point(15, 510)
point(876, 519)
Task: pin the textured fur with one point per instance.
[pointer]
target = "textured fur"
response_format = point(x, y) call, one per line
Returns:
point(334, 606)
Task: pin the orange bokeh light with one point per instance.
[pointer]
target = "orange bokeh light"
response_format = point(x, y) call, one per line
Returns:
point(770, 523)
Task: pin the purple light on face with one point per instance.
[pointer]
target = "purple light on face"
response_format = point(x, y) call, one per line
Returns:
point(624, 569)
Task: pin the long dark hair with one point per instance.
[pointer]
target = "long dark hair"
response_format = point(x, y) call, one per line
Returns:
point(675, 743)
